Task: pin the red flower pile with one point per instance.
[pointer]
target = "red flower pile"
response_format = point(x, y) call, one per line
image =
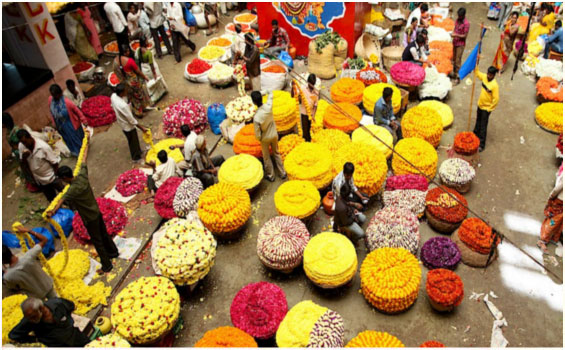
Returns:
point(81, 67)
point(187, 111)
point(131, 182)
point(370, 75)
point(114, 79)
point(113, 213)
point(466, 143)
point(444, 287)
point(444, 207)
point(406, 182)
point(164, 197)
point(258, 309)
point(432, 344)
point(98, 111)
point(477, 235)
point(407, 73)
point(198, 66)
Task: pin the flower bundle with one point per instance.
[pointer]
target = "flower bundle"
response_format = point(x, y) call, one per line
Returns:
point(328, 331)
point(145, 309)
point(224, 208)
point(310, 162)
point(221, 42)
point(390, 279)
point(439, 60)
point(407, 73)
point(374, 92)
point(187, 111)
point(98, 111)
point(164, 145)
point(332, 139)
point(549, 115)
point(281, 242)
point(550, 89)
point(241, 109)
point(285, 110)
point(242, 170)
point(550, 68)
point(440, 253)
point(374, 339)
point(211, 53)
point(418, 152)
point(393, 227)
point(370, 166)
point(11, 314)
point(443, 109)
point(445, 208)
point(347, 90)
point(456, 171)
point(448, 24)
point(288, 143)
point(165, 196)
point(406, 182)
point(198, 66)
point(258, 309)
point(432, 344)
point(445, 47)
point(345, 117)
point(274, 68)
point(226, 337)
point(246, 142)
point(330, 260)
point(424, 123)
point(296, 198)
point(82, 66)
point(477, 235)
point(131, 182)
point(370, 75)
point(444, 287)
point(360, 135)
point(186, 196)
point(438, 34)
point(413, 200)
point(435, 84)
point(111, 340)
point(466, 143)
point(79, 263)
point(113, 213)
point(220, 73)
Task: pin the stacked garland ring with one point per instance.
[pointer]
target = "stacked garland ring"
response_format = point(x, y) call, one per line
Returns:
point(457, 173)
point(332, 139)
point(186, 196)
point(98, 111)
point(406, 191)
point(440, 253)
point(310, 162)
point(339, 116)
point(297, 198)
point(362, 136)
point(246, 142)
point(226, 337)
point(288, 143)
point(111, 340)
point(407, 73)
point(285, 111)
point(374, 92)
point(422, 122)
point(114, 215)
point(549, 116)
point(165, 196)
point(393, 227)
point(445, 289)
point(443, 109)
point(477, 235)
point(184, 112)
point(242, 170)
point(549, 89)
point(418, 152)
point(374, 339)
point(131, 182)
point(444, 213)
point(370, 76)
point(224, 208)
point(466, 143)
point(347, 90)
point(241, 109)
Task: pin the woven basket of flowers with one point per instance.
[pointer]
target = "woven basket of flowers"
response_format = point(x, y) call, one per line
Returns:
point(445, 290)
point(445, 214)
point(475, 239)
point(456, 173)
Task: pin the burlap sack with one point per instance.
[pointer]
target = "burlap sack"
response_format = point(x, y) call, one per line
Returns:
point(340, 53)
point(322, 64)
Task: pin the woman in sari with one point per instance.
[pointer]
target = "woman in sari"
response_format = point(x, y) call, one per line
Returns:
point(128, 72)
point(76, 34)
point(552, 226)
point(92, 31)
point(67, 119)
point(144, 59)
point(506, 42)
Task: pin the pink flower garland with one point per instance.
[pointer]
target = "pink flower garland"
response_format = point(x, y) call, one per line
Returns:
point(406, 182)
point(258, 309)
point(131, 182)
point(407, 73)
point(113, 213)
point(98, 111)
point(164, 197)
point(187, 111)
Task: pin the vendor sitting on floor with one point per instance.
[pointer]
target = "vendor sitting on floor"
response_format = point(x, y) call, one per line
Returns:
point(415, 51)
point(279, 40)
point(347, 219)
point(383, 114)
point(188, 149)
point(355, 197)
point(203, 167)
point(168, 168)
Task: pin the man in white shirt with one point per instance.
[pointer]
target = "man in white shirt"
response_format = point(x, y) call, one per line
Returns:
point(179, 29)
point(119, 23)
point(73, 94)
point(154, 11)
point(238, 47)
point(189, 147)
point(168, 168)
point(126, 121)
point(356, 198)
point(417, 13)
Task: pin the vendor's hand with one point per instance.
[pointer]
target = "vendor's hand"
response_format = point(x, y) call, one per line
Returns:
point(49, 213)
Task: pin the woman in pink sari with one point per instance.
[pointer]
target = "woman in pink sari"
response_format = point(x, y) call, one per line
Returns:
point(92, 34)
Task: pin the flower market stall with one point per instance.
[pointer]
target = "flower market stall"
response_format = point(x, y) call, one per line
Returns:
point(360, 135)
point(310, 162)
point(393, 227)
point(113, 213)
point(444, 213)
point(406, 191)
point(98, 111)
point(297, 198)
point(186, 111)
point(243, 170)
point(111, 340)
point(186, 196)
point(165, 196)
point(226, 337)
point(475, 239)
point(445, 289)
point(424, 123)
point(440, 253)
point(418, 152)
point(457, 173)
point(374, 339)
point(246, 142)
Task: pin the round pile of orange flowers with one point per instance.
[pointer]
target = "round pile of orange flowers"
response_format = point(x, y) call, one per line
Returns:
point(345, 117)
point(347, 90)
point(224, 208)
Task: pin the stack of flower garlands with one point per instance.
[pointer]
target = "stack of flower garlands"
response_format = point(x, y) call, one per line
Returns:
point(297, 198)
point(374, 339)
point(422, 122)
point(390, 279)
point(440, 253)
point(549, 116)
point(393, 227)
point(406, 191)
point(11, 314)
point(243, 170)
point(407, 73)
point(288, 143)
point(457, 173)
point(370, 166)
point(444, 47)
point(165, 145)
point(165, 196)
point(374, 92)
point(310, 162)
point(549, 90)
point(186, 252)
point(224, 208)
point(111, 340)
point(131, 182)
point(258, 309)
point(443, 109)
point(370, 76)
point(226, 337)
point(246, 142)
point(145, 309)
point(440, 61)
point(285, 111)
point(362, 136)
point(310, 325)
point(343, 116)
point(113, 213)
point(466, 143)
point(332, 139)
point(241, 109)
point(444, 213)
point(438, 34)
point(98, 111)
point(477, 236)
point(198, 66)
point(184, 112)
point(186, 196)
point(445, 289)
point(281, 243)
point(330, 260)
point(432, 344)
point(418, 152)
point(549, 68)
point(347, 90)
point(436, 84)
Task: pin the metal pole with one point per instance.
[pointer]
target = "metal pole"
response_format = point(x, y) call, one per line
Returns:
point(474, 79)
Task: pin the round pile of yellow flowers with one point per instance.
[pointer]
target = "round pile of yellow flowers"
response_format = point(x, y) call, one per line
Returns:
point(288, 143)
point(164, 146)
point(11, 314)
point(390, 279)
point(443, 109)
point(374, 339)
point(424, 123)
point(111, 340)
point(296, 198)
point(77, 267)
point(211, 53)
point(370, 166)
point(318, 123)
point(145, 309)
point(285, 110)
point(374, 92)
point(549, 115)
point(186, 252)
point(362, 136)
point(330, 260)
point(332, 139)
point(242, 170)
point(418, 152)
point(310, 162)
point(224, 208)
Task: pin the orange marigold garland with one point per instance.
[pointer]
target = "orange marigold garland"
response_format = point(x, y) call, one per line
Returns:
point(466, 143)
point(448, 24)
point(445, 47)
point(445, 208)
point(335, 118)
point(370, 75)
point(550, 89)
point(440, 60)
point(444, 287)
point(226, 337)
point(246, 142)
point(347, 90)
point(477, 235)
point(374, 339)
point(432, 344)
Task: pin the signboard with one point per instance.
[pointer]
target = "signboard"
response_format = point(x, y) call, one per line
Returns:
point(310, 18)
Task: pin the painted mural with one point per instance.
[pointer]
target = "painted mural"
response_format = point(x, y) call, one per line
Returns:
point(310, 18)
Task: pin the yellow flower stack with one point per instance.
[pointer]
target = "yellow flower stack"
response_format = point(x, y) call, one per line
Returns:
point(288, 143)
point(374, 92)
point(145, 309)
point(390, 279)
point(424, 123)
point(374, 339)
point(362, 136)
point(340, 117)
point(347, 90)
point(11, 314)
point(549, 116)
point(370, 166)
point(296, 198)
point(78, 267)
point(318, 123)
point(443, 109)
point(285, 110)
point(164, 146)
point(224, 208)
point(332, 139)
point(418, 152)
point(330, 260)
point(111, 340)
point(310, 162)
point(242, 170)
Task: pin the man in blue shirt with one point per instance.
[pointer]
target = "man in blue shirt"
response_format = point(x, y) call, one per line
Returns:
point(555, 41)
point(383, 114)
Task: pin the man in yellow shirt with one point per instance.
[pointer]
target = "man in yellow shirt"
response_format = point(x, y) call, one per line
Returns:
point(487, 103)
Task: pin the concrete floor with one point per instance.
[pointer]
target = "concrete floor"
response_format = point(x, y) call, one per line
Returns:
point(510, 190)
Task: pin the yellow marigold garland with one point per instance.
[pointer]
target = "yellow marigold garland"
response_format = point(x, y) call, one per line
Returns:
point(84, 296)
point(310, 162)
point(318, 123)
point(340, 117)
point(332, 139)
point(78, 267)
point(296, 198)
point(362, 136)
point(11, 314)
point(288, 143)
point(111, 340)
point(422, 122)
point(443, 109)
point(295, 328)
point(224, 208)
point(243, 170)
point(549, 115)
point(373, 93)
point(418, 152)
point(347, 90)
point(298, 92)
point(164, 146)
point(374, 339)
point(285, 109)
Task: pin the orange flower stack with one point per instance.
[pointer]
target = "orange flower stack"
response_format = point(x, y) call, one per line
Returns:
point(347, 90)
point(466, 143)
point(246, 142)
point(226, 337)
point(445, 47)
point(440, 60)
point(445, 289)
point(477, 235)
point(448, 24)
point(549, 89)
point(442, 207)
point(335, 118)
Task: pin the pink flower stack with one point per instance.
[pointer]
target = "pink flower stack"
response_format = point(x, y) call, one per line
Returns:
point(187, 111)
point(98, 111)
point(407, 73)
point(164, 197)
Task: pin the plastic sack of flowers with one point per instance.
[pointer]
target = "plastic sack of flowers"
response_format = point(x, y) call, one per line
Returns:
point(98, 111)
point(131, 182)
point(466, 143)
point(549, 89)
point(113, 213)
point(164, 197)
point(477, 235)
point(184, 112)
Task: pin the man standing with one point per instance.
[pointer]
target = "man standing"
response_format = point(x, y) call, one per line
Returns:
point(311, 96)
point(279, 40)
point(459, 35)
point(252, 62)
point(119, 24)
point(266, 133)
point(179, 30)
point(345, 177)
point(414, 52)
point(205, 167)
point(154, 11)
point(487, 103)
point(383, 113)
point(347, 219)
point(38, 158)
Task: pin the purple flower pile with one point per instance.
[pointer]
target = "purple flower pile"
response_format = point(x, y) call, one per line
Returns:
point(440, 252)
